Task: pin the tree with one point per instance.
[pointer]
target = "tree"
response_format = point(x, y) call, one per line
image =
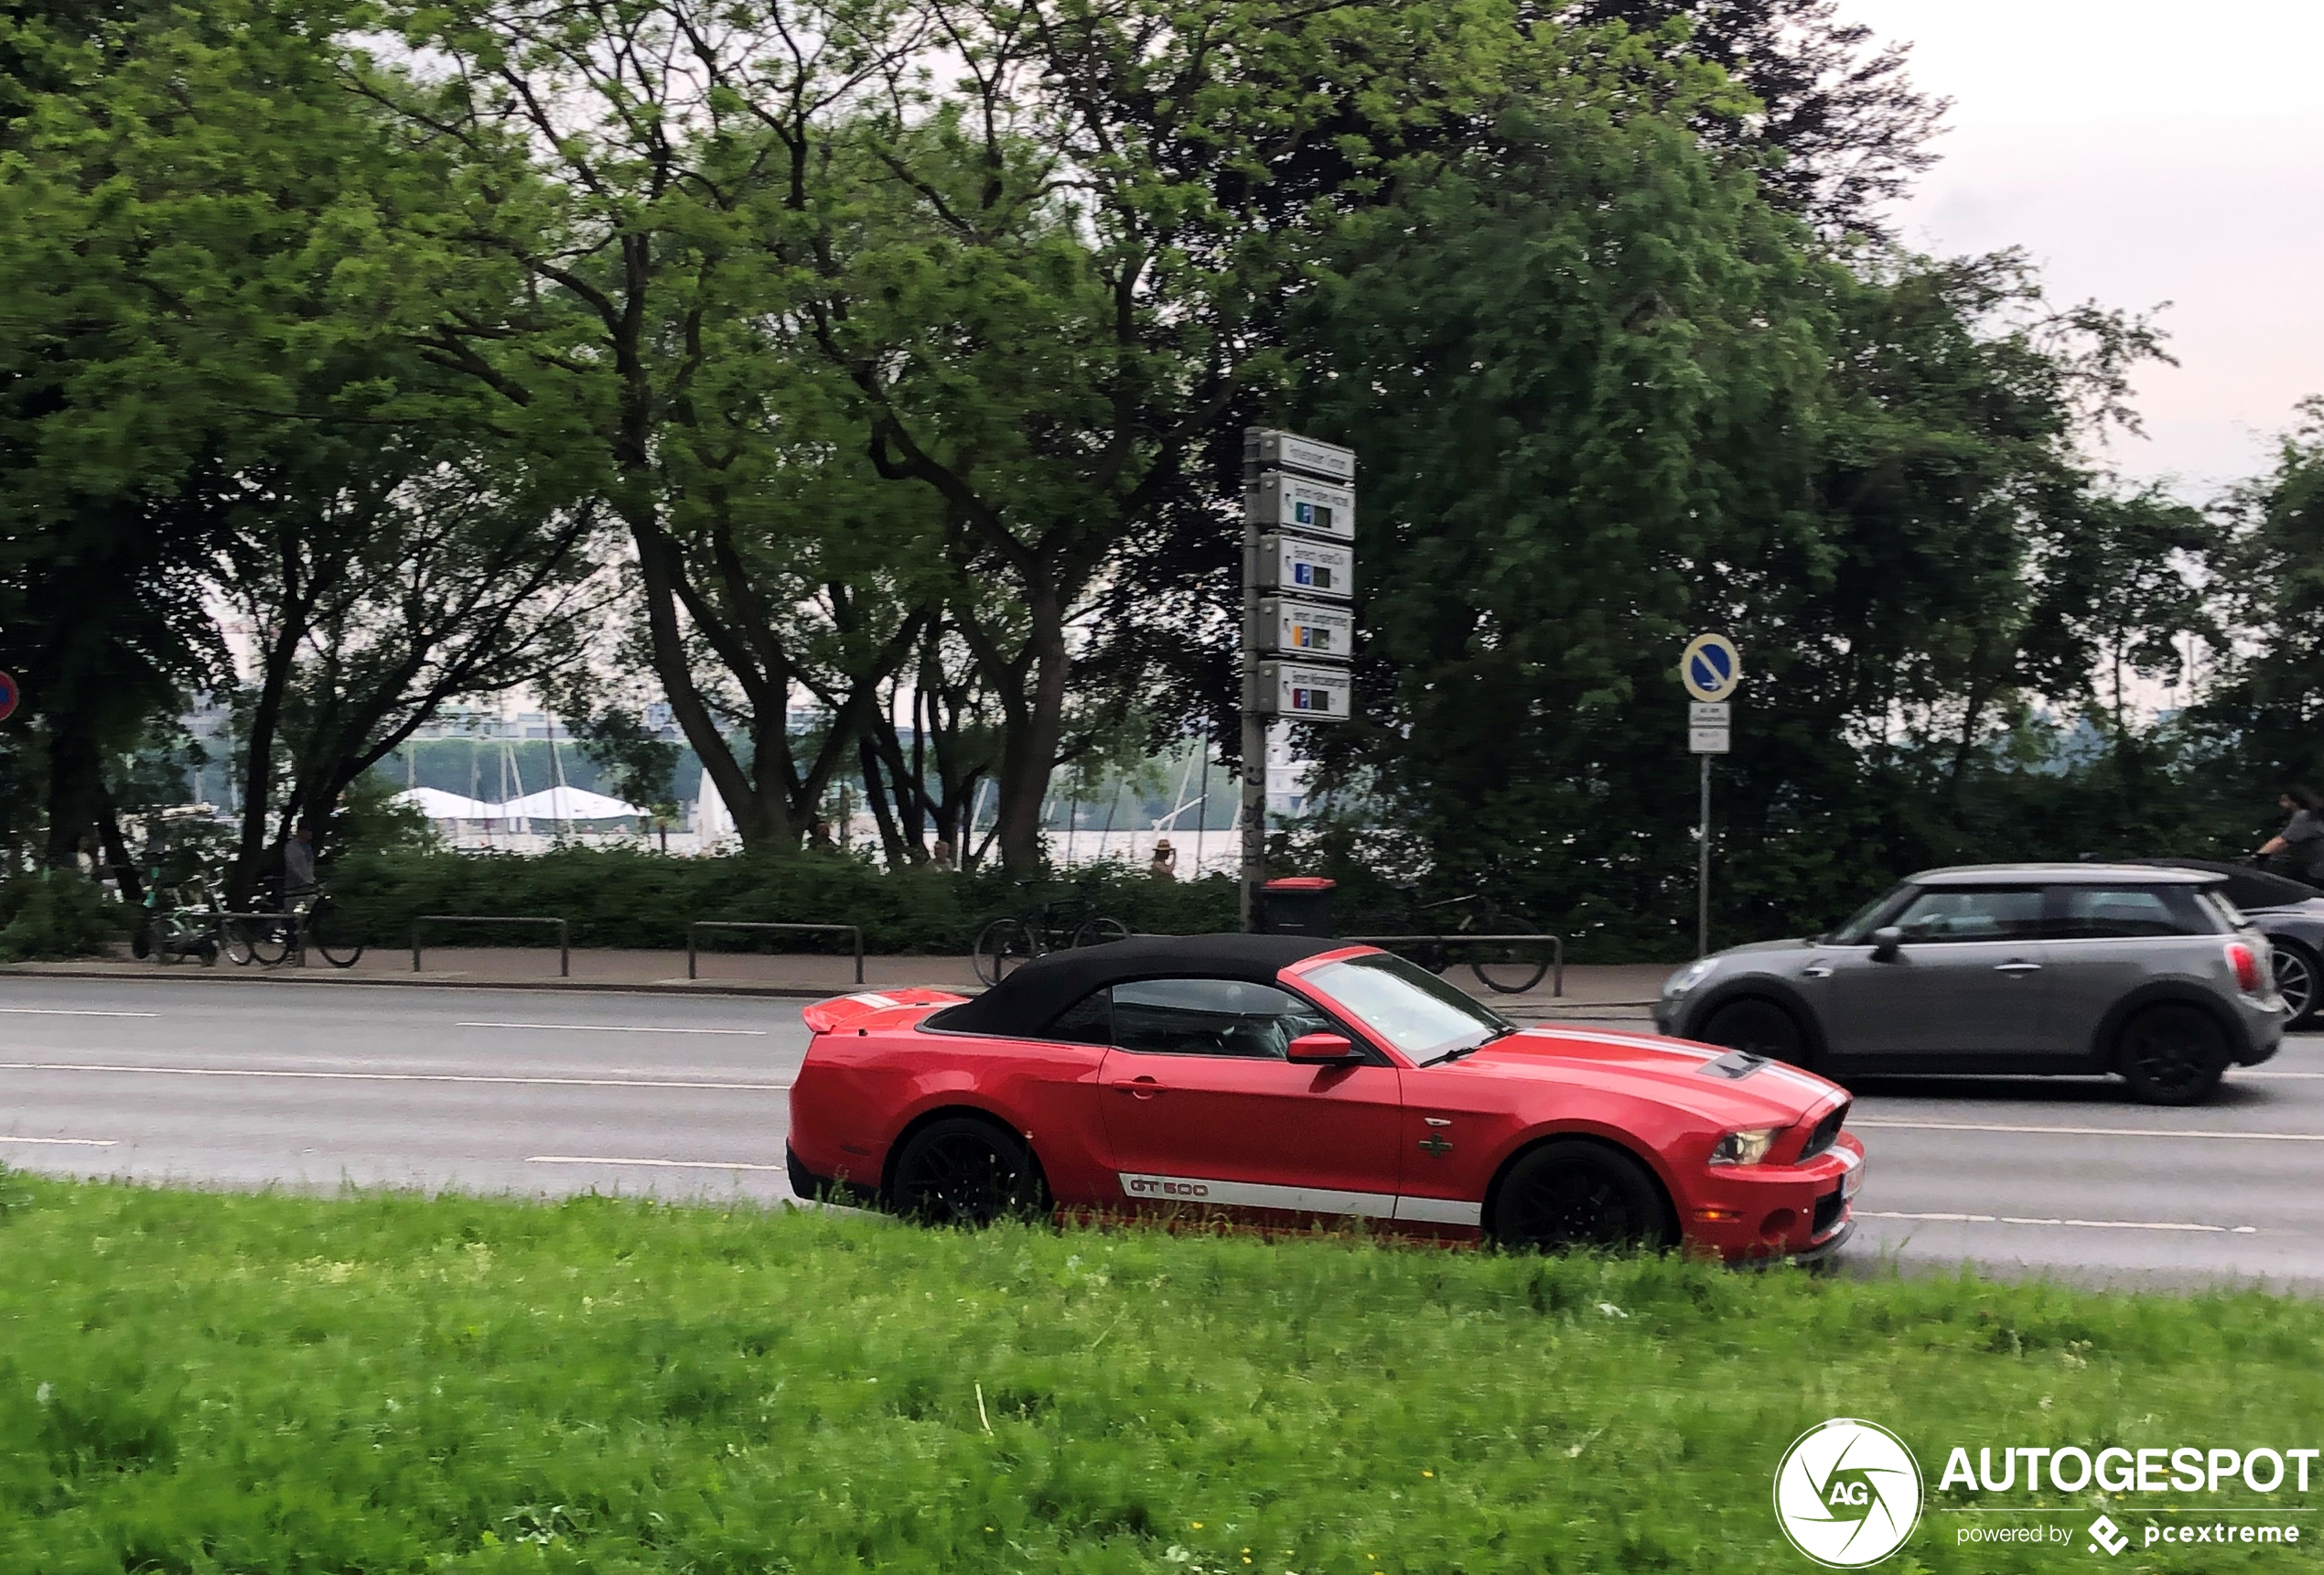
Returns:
point(1846, 127)
point(381, 580)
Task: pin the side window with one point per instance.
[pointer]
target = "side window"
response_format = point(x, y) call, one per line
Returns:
point(1958, 913)
point(1210, 1017)
point(2117, 913)
point(1088, 1020)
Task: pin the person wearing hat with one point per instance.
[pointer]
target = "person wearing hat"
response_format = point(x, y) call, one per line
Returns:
point(1166, 861)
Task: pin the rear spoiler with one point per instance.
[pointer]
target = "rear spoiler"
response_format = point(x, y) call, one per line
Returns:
point(859, 1009)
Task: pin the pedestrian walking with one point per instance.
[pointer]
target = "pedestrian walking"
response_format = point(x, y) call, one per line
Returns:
point(2302, 839)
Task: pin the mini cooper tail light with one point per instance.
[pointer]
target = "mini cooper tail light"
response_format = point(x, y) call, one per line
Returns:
point(2246, 962)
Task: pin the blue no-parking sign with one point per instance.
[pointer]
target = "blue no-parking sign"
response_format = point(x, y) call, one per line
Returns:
point(1711, 667)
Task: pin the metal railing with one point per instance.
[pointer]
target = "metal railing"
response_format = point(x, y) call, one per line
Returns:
point(565, 947)
point(1557, 945)
point(855, 930)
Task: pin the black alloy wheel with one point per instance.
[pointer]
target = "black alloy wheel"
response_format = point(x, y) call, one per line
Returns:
point(2295, 967)
point(1760, 1027)
point(2171, 1054)
point(1574, 1194)
point(960, 1171)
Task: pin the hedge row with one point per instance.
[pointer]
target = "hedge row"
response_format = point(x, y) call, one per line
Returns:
point(631, 897)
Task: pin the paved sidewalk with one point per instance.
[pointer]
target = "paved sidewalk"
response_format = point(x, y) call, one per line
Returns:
point(1617, 991)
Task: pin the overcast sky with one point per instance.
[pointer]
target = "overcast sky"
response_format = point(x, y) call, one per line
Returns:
point(2145, 153)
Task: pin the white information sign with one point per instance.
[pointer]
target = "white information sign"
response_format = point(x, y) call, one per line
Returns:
point(1306, 629)
point(1285, 502)
point(1302, 567)
point(1262, 448)
point(1305, 691)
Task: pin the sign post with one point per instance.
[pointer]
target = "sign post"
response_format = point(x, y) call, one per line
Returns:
point(1711, 668)
point(1298, 628)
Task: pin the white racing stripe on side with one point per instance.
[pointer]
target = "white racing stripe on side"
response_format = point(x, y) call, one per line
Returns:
point(1154, 1189)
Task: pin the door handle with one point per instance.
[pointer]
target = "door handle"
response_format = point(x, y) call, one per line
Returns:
point(1140, 1087)
point(1816, 971)
point(2014, 967)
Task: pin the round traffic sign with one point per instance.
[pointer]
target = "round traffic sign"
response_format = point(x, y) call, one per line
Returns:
point(1711, 667)
point(9, 696)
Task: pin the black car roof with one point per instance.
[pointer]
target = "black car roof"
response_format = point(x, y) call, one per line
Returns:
point(2246, 886)
point(1029, 1000)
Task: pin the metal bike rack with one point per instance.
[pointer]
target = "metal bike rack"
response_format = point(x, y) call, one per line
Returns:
point(565, 948)
point(1557, 945)
point(855, 930)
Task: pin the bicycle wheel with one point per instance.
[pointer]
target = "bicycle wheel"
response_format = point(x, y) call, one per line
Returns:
point(1099, 931)
point(328, 935)
point(1000, 946)
point(1508, 967)
point(266, 939)
point(234, 940)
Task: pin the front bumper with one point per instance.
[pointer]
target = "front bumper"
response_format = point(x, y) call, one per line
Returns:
point(1751, 1212)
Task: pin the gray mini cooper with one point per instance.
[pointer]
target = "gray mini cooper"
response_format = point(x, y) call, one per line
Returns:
point(2147, 973)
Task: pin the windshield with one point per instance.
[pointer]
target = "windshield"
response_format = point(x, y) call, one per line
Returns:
point(1410, 1007)
point(1860, 924)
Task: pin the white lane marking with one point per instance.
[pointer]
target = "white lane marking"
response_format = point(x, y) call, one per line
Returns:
point(66, 1011)
point(2086, 1224)
point(67, 1142)
point(615, 1028)
point(665, 1164)
point(390, 1077)
point(2089, 1131)
point(2240, 1075)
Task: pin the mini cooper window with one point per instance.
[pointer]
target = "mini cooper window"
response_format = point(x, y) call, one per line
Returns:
point(2114, 912)
point(1953, 913)
point(1211, 1017)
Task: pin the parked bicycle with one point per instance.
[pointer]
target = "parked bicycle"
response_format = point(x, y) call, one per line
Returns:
point(1509, 954)
point(276, 932)
point(1047, 927)
point(180, 921)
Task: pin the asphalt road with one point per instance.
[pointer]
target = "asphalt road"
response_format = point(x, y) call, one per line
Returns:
point(320, 1087)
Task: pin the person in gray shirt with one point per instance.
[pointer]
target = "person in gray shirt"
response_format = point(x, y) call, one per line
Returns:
point(2302, 839)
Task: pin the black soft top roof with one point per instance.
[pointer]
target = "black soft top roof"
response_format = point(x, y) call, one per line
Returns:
point(1029, 999)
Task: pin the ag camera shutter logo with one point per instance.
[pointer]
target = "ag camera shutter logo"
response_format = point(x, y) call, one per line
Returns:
point(1847, 1494)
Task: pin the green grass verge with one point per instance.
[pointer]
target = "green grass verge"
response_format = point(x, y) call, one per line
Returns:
point(212, 1384)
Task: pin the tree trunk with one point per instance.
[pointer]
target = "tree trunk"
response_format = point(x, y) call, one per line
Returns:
point(1028, 752)
point(76, 789)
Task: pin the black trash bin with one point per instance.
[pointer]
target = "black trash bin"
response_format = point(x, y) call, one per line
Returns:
point(1296, 905)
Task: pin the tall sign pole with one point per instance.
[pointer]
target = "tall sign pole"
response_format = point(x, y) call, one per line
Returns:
point(1711, 668)
point(1298, 618)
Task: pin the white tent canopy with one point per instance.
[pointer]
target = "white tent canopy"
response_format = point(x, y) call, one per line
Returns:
point(565, 803)
point(437, 804)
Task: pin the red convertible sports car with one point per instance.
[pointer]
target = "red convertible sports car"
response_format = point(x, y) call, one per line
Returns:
point(1281, 1081)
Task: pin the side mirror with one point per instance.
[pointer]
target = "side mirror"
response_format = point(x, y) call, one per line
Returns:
point(1886, 939)
point(1321, 1050)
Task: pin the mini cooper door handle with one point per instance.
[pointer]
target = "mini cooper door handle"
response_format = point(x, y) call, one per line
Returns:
point(2016, 967)
point(1141, 1088)
point(1816, 971)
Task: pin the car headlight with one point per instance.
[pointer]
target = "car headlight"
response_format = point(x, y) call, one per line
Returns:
point(1745, 1148)
point(1694, 973)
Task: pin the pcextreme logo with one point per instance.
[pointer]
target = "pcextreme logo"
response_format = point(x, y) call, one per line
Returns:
point(1847, 1494)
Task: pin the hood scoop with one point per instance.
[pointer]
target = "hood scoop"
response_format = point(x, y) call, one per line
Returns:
point(1734, 1065)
